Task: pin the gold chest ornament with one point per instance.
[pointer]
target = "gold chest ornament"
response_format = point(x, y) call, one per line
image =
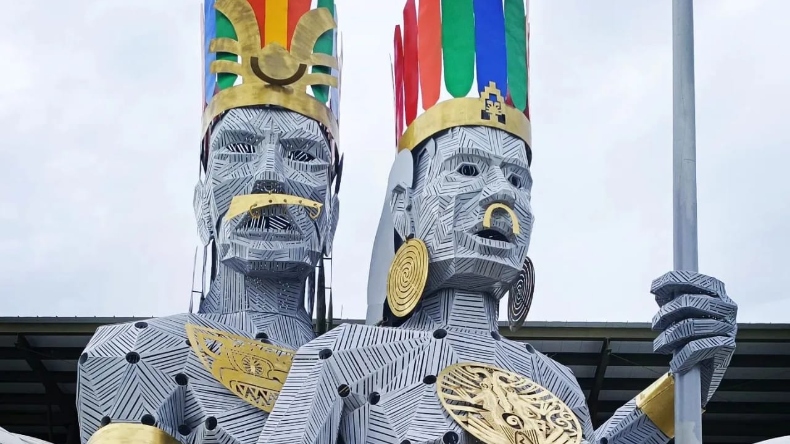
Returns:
point(250, 369)
point(500, 407)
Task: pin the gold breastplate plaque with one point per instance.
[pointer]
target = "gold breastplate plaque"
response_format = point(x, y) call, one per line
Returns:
point(254, 371)
point(500, 407)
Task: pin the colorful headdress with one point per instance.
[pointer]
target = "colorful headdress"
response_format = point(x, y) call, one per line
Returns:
point(442, 48)
point(271, 52)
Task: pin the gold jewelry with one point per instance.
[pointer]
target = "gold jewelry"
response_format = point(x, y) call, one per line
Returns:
point(251, 203)
point(274, 73)
point(657, 402)
point(407, 277)
point(468, 111)
point(126, 433)
point(519, 299)
point(500, 407)
point(252, 370)
point(500, 206)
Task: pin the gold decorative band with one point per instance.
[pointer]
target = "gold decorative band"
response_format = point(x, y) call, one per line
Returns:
point(122, 433)
point(254, 202)
point(258, 94)
point(657, 402)
point(499, 206)
point(467, 111)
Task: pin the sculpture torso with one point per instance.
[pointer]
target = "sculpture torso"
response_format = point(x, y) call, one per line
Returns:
point(149, 372)
point(391, 374)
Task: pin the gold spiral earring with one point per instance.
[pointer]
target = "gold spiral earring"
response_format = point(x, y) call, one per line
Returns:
point(407, 277)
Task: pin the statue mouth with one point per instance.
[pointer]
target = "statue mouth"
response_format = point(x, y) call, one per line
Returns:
point(269, 223)
point(494, 233)
point(266, 217)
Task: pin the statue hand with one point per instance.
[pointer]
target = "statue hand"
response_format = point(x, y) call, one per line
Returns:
point(697, 324)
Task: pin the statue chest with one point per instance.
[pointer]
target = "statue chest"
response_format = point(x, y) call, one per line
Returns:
point(453, 387)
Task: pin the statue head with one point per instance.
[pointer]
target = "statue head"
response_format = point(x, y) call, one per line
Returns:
point(267, 198)
point(469, 202)
point(461, 182)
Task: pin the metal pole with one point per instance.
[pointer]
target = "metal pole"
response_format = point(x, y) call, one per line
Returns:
point(688, 403)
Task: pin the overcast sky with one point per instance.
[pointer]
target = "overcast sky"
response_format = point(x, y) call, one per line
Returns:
point(100, 114)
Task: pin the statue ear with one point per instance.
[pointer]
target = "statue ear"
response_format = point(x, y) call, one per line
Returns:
point(399, 184)
point(333, 218)
point(399, 187)
point(202, 212)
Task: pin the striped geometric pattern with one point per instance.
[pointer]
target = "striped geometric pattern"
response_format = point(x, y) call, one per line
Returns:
point(366, 384)
point(146, 372)
point(458, 175)
point(7, 437)
point(444, 45)
point(259, 150)
point(697, 321)
point(375, 384)
point(698, 324)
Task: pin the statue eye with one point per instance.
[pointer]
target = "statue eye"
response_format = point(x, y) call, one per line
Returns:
point(300, 156)
point(515, 180)
point(240, 148)
point(468, 170)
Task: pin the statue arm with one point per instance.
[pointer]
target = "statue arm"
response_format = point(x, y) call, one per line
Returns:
point(641, 420)
point(308, 409)
point(648, 418)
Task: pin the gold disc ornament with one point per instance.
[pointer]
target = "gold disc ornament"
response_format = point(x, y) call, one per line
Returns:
point(500, 407)
point(407, 277)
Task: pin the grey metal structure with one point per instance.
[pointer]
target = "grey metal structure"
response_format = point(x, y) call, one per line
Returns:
point(267, 208)
point(452, 241)
point(362, 384)
point(146, 371)
point(612, 362)
point(687, 408)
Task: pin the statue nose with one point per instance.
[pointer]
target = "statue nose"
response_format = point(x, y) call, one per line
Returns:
point(268, 170)
point(268, 186)
point(497, 190)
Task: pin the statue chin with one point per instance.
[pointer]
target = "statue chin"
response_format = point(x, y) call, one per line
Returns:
point(290, 259)
point(473, 272)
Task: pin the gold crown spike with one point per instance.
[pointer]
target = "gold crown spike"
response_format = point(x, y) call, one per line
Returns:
point(271, 52)
point(489, 43)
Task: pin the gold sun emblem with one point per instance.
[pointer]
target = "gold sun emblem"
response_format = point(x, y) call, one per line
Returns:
point(500, 407)
point(252, 370)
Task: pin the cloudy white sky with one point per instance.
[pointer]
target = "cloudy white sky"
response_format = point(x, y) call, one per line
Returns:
point(100, 115)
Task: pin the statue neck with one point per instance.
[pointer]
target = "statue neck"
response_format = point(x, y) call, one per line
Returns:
point(458, 309)
point(233, 292)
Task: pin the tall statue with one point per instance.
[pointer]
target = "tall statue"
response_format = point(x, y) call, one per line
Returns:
point(452, 241)
point(267, 207)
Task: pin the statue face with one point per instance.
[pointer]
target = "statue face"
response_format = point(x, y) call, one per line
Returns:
point(258, 156)
point(460, 176)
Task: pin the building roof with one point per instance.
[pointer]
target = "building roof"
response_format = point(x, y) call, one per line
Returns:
point(612, 361)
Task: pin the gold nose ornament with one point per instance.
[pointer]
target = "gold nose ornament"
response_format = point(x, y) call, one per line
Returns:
point(499, 206)
point(254, 203)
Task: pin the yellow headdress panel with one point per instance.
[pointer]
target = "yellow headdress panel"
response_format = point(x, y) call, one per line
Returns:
point(271, 52)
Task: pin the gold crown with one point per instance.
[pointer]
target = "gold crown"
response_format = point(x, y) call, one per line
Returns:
point(484, 67)
point(489, 110)
point(272, 63)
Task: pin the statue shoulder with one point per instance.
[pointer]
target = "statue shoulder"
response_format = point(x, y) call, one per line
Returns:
point(354, 336)
point(146, 370)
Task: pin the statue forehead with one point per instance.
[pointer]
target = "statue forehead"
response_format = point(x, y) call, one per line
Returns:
point(248, 124)
point(481, 141)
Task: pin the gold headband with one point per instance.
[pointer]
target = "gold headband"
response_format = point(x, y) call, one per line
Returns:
point(468, 111)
